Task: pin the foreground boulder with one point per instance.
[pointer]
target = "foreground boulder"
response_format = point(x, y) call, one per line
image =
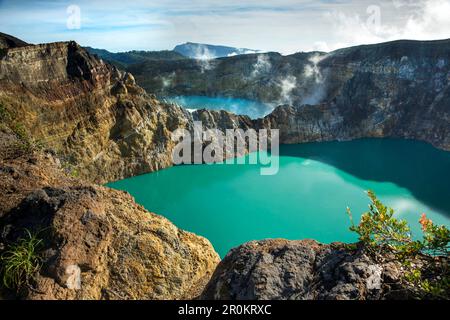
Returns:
point(305, 270)
point(97, 243)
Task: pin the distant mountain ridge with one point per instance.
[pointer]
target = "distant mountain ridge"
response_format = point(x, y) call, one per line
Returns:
point(7, 41)
point(189, 50)
point(208, 51)
point(125, 59)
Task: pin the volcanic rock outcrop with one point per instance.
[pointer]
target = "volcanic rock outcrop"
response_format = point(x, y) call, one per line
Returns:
point(92, 115)
point(99, 122)
point(7, 41)
point(96, 243)
point(307, 270)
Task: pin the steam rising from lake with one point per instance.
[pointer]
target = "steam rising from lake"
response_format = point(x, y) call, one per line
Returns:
point(253, 109)
point(313, 72)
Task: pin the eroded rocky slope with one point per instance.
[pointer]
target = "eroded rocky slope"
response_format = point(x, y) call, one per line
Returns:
point(399, 89)
point(97, 243)
point(91, 114)
point(100, 123)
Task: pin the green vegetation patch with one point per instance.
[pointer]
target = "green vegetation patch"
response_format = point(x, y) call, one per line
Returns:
point(21, 261)
point(381, 232)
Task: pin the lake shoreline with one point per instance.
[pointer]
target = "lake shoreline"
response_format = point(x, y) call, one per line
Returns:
point(336, 183)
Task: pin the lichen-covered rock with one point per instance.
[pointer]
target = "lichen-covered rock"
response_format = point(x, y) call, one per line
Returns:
point(304, 270)
point(97, 242)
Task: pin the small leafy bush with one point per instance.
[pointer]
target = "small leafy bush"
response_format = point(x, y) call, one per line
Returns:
point(17, 127)
point(433, 288)
point(378, 227)
point(435, 238)
point(21, 261)
point(379, 231)
point(70, 169)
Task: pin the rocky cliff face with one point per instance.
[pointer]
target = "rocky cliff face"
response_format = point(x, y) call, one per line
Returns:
point(97, 242)
point(99, 122)
point(106, 127)
point(94, 122)
point(95, 117)
point(265, 77)
point(397, 89)
point(305, 77)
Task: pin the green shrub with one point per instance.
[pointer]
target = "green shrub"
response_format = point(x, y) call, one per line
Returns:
point(21, 261)
point(379, 231)
point(432, 288)
point(435, 238)
point(70, 169)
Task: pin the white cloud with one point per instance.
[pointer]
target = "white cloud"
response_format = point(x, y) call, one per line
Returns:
point(286, 26)
point(320, 46)
point(432, 20)
point(418, 20)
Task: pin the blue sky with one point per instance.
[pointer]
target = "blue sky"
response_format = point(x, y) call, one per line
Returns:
point(286, 26)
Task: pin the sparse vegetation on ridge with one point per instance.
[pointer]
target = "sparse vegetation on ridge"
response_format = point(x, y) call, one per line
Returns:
point(24, 143)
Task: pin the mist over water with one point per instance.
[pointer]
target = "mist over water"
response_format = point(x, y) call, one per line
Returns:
point(251, 108)
point(307, 199)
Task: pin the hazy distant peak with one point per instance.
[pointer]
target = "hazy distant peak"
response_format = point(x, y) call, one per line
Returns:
point(203, 51)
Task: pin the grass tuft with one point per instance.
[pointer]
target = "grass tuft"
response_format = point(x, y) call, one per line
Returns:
point(20, 262)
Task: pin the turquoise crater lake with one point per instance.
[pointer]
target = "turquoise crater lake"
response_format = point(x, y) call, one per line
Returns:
point(251, 108)
point(233, 204)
